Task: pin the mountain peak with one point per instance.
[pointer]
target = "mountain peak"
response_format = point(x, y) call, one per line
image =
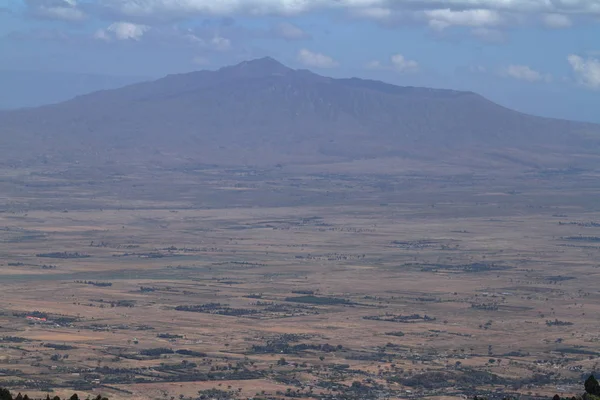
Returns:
point(262, 112)
point(258, 67)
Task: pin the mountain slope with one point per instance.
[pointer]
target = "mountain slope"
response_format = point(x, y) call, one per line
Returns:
point(263, 112)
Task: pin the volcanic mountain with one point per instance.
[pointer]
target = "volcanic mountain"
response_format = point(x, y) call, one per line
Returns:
point(262, 112)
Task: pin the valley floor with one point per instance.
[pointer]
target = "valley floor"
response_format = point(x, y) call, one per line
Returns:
point(285, 283)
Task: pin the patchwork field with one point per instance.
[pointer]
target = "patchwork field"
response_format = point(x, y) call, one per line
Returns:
point(203, 282)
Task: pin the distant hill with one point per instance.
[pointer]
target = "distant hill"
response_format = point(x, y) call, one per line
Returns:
point(262, 112)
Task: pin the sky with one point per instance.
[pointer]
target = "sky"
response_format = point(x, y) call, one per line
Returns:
point(537, 56)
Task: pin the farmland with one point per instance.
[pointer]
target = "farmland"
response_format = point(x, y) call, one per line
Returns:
point(330, 281)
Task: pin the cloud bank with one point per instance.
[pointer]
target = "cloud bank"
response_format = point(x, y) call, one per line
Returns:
point(438, 14)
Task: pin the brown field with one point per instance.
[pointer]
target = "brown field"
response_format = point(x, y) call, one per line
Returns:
point(294, 281)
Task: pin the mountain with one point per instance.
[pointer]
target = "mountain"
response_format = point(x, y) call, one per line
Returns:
point(262, 112)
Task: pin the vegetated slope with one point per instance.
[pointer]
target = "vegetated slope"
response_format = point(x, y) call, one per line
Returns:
point(263, 112)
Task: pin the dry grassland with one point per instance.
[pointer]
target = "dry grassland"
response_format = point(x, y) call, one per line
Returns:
point(163, 284)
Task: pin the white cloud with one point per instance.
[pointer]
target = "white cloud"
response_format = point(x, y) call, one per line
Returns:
point(397, 63)
point(65, 10)
point(205, 39)
point(316, 60)
point(439, 14)
point(525, 73)
point(402, 65)
point(587, 70)
point(152, 8)
point(220, 43)
point(443, 18)
point(291, 7)
point(122, 31)
point(62, 13)
point(376, 13)
point(556, 21)
point(375, 64)
point(289, 31)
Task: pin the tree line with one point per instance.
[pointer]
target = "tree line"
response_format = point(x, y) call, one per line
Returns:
point(5, 394)
point(591, 386)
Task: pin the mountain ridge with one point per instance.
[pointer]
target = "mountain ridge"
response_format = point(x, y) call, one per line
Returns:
point(261, 111)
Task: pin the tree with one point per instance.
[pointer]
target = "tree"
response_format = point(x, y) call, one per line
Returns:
point(5, 394)
point(592, 386)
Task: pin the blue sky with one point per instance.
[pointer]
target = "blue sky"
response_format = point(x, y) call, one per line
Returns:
point(538, 56)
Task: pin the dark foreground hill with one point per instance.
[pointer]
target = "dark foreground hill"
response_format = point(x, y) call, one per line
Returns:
point(261, 112)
